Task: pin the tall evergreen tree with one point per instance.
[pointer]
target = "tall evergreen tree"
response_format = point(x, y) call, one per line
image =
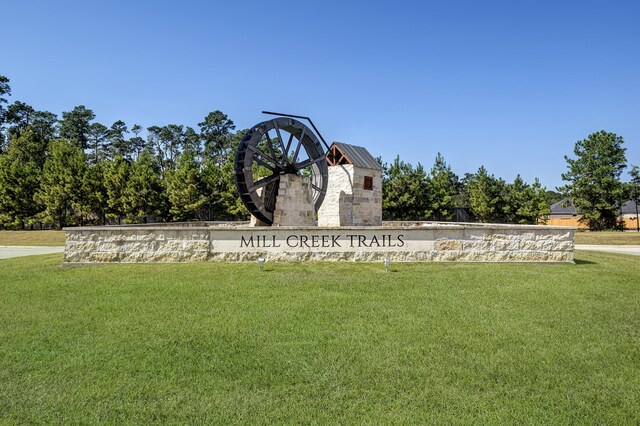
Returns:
point(94, 193)
point(75, 126)
point(144, 194)
point(116, 175)
point(27, 146)
point(634, 191)
point(484, 195)
point(184, 188)
point(167, 142)
point(61, 184)
point(118, 142)
point(215, 131)
point(5, 90)
point(18, 117)
point(594, 179)
point(524, 203)
point(219, 189)
point(404, 191)
point(442, 190)
point(44, 125)
point(137, 143)
point(98, 134)
point(19, 181)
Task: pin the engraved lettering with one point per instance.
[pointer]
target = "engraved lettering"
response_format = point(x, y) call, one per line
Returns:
point(293, 238)
point(246, 243)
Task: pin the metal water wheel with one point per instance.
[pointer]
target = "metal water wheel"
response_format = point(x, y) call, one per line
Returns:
point(271, 149)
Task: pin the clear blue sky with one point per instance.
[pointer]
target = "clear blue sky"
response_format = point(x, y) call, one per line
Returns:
point(506, 84)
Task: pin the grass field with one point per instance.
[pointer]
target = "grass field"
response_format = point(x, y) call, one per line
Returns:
point(608, 237)
point(32, 238)
point(321, 343)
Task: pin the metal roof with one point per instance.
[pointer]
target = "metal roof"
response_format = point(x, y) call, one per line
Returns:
point(358, 156)
point(629, 207)
point(565, 206)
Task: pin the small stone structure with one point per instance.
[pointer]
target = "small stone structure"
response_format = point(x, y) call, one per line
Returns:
point(354, 190)
point(411, 242)
point(294, 203)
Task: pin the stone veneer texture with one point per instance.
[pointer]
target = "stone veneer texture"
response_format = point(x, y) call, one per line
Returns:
point(413, 243)
point(347, 203)
point(294, 203)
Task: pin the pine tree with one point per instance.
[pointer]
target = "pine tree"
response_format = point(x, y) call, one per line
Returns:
point(5, 90)
point(442, 190)
point(144, 194)
point(20, 171)
point(634, 191)
point(215, 132)
point(485, 196)
point(594, 179)
point(118, 143)
point(75, 126)
point(19, 181)
point(94, 193)
point(61, 184)
point(221, 194)
point(184, 188)
point(115, 182)
point(97, 140)
point(524, 203)
point(404, 192)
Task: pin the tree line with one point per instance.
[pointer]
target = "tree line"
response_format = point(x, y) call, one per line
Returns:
point(413, 193)
point(73, 170)
point(593, 182)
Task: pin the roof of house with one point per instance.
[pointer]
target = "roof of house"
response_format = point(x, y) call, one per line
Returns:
point(630, 207)
point(565, 207)
point(343, 153)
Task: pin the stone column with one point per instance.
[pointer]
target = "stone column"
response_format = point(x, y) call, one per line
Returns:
point(337, 208)
point(294, 203)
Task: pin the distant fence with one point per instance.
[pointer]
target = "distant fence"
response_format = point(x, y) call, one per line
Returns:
point(629, 222)
point(566, 221)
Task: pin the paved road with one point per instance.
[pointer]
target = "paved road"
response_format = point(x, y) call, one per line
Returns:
point(611, 249)
point(7, 252)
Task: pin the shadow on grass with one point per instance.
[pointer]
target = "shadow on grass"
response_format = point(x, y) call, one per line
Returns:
point(584, 262)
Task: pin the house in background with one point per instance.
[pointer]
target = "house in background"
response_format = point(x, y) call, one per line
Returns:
point(564, 213)
point(629, 213)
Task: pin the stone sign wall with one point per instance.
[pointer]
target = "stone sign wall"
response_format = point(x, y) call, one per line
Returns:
point(424, 243)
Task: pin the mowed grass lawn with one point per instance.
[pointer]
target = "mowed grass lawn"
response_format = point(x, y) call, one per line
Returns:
point(607, 237)
point(321, 343)
point(32, 238)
